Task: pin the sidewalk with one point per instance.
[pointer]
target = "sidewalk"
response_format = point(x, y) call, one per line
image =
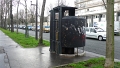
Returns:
point(39, 57)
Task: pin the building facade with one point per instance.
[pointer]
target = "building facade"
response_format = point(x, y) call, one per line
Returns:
point(95, 10)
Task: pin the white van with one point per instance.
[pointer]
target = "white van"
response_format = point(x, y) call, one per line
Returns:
point(116, 27)
point(103, 26)
point(95, 32)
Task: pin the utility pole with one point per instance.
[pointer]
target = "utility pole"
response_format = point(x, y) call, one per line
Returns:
point(11, 16)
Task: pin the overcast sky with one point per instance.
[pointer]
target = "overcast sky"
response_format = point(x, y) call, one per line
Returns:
point(48, 2)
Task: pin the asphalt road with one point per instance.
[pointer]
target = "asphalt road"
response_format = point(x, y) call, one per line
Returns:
point(46, 36)
point(92, 45)
point(99, 47)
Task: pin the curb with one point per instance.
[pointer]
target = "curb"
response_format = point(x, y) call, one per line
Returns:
point(89, 53)
point(98, 55)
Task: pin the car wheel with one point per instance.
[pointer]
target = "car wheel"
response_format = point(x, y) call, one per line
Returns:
point(100, 38)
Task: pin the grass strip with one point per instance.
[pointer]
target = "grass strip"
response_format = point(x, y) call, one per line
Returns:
point(22, 40)
point(91, 63)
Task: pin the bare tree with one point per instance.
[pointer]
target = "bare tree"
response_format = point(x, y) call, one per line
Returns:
point(109, 61)
point(50, 7)
point(26, 29)
point(41, 23)
point(61, 2)
point(8, 13)
point(5, 14)
point(2, 13)
point(17, 14)
point(32, 17)
point(5, 8)
point(21, 17)
point(11, 16)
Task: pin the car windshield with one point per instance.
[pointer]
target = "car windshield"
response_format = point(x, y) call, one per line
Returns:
point(99, 29)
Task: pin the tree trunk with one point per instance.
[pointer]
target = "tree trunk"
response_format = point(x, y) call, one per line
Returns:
point(1, 14)
point(26, 22)
point(41, 23)
point(5, 25)
point(109, 61)
point(11, 17)
point(17, 15)
point(36, 22)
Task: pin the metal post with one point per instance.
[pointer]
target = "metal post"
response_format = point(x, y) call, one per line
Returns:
point(36, 32)
point(77, 51)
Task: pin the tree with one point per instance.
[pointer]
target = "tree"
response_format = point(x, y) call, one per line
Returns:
point(8, 20)
point(5, 14)
point(1, 13)
point(26, 22)
point(41, 23)
point(109, 61)
point(51, 6)
point(61, 2)
point(17, 14)
point(45, 19)
point(32, 12)
point(11, 16)
point(21, 17)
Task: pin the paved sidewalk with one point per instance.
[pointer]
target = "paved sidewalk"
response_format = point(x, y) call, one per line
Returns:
point(40, 57)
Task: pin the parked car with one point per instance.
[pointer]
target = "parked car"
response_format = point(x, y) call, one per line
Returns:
point(46, 29)
point(38, 28)
point(95, 32)
point(30, 27)
point(117, 28)
point(21, 26)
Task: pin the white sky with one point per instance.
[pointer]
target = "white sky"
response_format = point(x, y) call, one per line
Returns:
point(48, 2)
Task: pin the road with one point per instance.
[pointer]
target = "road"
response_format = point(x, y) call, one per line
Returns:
point(92, 45)
point(46, 36)
point(99, 47)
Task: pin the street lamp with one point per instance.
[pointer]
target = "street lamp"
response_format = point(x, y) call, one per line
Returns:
point(36, 23)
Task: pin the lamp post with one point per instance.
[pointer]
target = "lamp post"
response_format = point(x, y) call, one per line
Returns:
point(36, 23)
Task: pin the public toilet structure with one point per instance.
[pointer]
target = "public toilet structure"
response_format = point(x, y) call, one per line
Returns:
point(67, 31)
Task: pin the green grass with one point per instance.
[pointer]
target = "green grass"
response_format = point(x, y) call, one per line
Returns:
point(92, 63)
point(24, 42)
